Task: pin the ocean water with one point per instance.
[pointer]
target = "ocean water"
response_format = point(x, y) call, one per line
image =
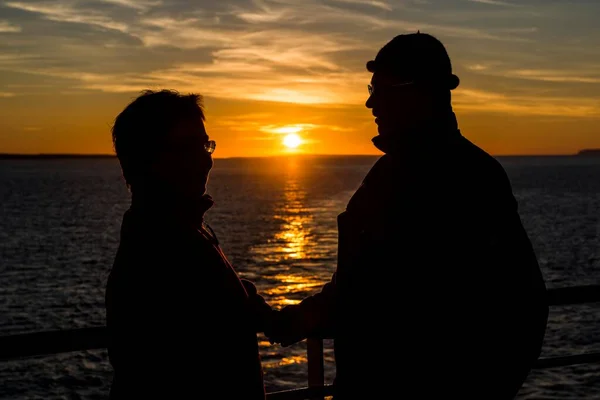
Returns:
point(276, 220)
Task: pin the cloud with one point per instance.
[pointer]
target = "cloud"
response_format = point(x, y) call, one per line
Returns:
point(373, 3)
point(478, 67)
point(531, 29)
point(253, 123)
point(188, 33)
point(310, 12)
point(293, 51)
point(282, 88)
point(15, 59)
point(287, 88)
point(287, 129)
point(288, 48)
point(495, 3)
point(552, 76)
point(7, 94)
point(135, 4)
point(464, 99)
point(303, 13)
point(487, 101)
point(63, 12)
point(8, 27)
point(566, 75)
point(276, 64)
point(20, 86)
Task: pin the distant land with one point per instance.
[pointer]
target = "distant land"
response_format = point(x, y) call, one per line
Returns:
point(15, 156)
point(589, 153)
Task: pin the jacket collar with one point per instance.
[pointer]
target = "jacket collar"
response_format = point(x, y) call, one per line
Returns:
point(159, 207)
point(429, 137)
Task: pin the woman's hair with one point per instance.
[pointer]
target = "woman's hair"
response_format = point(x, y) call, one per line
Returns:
point(140, 129)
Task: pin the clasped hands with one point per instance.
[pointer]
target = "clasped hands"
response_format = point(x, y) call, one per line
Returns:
point(278, 326)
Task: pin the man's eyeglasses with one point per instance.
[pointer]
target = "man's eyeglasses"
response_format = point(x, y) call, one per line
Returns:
point(210, 146)
point(372, 87)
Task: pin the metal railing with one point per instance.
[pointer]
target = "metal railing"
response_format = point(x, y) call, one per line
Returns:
point(53, 342)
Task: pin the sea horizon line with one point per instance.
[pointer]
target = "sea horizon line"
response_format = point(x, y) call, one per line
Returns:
point(14, 156)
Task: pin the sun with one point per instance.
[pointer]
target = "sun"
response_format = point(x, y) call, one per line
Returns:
point(292, 141)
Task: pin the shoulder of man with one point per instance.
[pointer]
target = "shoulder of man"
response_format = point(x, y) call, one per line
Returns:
point(372, 183)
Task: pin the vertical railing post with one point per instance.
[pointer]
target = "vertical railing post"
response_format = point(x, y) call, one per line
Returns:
point(316, 367)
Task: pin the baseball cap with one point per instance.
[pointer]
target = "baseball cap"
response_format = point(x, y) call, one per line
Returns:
point(416, 57)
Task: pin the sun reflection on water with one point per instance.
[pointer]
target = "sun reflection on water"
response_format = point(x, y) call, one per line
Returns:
point(292, 284)
point(275, 363)
point(294, 236)
point(288, 257)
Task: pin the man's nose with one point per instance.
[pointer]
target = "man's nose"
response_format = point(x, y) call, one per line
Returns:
point(370, 101)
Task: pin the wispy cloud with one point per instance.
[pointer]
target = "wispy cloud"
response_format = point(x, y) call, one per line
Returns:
point(8, 27)
point(142, 5)
point(263, 12)
point(373, 3)
point(251, 122)
point(63, 12)
point(188, 33)
point(15, 59)
point(566, 75)
point(487, 101)
point(478, 67)
point(301, 13)
point(300, 128)
point(311, 12)
point(263, 122)
point(286, 88)
point(553, 76)
point(287, 129)
point(299, 51)
point(513, 57)
point(287, 48)
point(495, 3)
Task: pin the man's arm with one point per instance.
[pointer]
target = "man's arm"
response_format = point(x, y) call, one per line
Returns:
point(260, 311)
point(517, 296)
point(313, 316)
point(533, 305)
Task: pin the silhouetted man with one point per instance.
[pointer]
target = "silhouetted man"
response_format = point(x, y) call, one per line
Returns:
point(181, 323)
point(437, 292)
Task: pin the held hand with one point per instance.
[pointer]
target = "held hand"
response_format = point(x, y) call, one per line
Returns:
point(260, 311)
point(285, 327)
point(282, 330)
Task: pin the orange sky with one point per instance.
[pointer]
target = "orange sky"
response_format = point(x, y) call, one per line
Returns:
point(530, 76)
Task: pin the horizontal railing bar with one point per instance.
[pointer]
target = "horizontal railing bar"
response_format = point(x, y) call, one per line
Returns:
point(301, 393)
point(574, 295)
point(565, 361)
point(61, 341)
point(53, 342)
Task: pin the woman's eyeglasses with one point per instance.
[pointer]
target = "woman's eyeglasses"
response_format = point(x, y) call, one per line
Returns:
point(191, 145)
point(210, 146)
